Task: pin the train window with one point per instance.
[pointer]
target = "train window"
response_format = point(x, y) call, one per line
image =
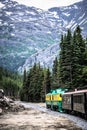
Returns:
point(78, 99)
point(60, 95)
point(67, 100)
point(49, 97)
point(52, 97)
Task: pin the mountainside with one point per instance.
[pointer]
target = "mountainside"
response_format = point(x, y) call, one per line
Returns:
point(29, 34)
point(73, 16)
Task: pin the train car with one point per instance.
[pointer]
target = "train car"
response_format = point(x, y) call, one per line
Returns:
point(67, 101)
point(80, 101)
point(75, 101)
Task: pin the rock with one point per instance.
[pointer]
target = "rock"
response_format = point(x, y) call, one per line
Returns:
point(1, 93)
point(15, 107)
point(4, 103)
point(8, 105)
point(0, 111)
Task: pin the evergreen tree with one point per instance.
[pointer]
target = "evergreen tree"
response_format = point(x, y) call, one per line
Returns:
point(80, 44)
point(24, 78)
point(84, 71)
point(65, 60)
point(78, 58)
point(55, 77)
point(72, 59)
point(62, 59)
point(68, 59)
point(10, 82)
point(48, 81)
point(34, 83)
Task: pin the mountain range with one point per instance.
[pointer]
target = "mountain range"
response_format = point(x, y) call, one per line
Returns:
point(29, 34)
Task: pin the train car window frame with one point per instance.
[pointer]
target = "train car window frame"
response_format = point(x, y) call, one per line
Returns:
point(78, 98)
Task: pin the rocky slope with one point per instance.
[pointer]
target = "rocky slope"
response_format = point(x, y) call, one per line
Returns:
point(73, 16)
point(29, 34)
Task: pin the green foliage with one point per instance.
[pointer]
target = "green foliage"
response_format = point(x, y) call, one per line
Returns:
point(24, 78)
point(10, 82)
point(36, 84)
point(48, 81)
point(55, 74)
point(73, 59)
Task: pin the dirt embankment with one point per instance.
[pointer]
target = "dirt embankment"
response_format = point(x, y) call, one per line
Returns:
point(32, 119)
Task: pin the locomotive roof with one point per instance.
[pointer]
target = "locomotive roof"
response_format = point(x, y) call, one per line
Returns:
point(48, 94)
point(76, 92)
point(58, 91)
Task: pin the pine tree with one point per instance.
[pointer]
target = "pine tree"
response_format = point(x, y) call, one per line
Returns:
point(79, 48)
point(80, 44)
point(84, 71)
point(55, 77)
point(65, 60)
point(72, 59)
point(68, 59)
point(48, 81)
point(62, 59)
point(24, 78)
point(34, 83)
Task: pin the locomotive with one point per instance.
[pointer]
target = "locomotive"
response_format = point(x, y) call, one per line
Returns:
point(64, 101)
point(54, 99)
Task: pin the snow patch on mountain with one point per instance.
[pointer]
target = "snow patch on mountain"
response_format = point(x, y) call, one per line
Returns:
point(81, 17)
point(1, 5)
point(67, 14)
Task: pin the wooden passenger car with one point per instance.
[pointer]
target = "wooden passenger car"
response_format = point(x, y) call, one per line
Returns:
point(80, 101)
point(67, 101)
point(75, 101)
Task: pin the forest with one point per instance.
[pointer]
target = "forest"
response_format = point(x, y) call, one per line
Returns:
point(69, 71)
point(10, 82)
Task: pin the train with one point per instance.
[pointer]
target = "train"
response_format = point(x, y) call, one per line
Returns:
point(64, 101)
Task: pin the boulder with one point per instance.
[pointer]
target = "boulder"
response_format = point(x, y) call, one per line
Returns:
point(8, 105)
point(0, 111)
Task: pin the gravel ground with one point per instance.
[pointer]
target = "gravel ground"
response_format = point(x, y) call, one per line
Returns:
point(35, 116)
point(77, 120)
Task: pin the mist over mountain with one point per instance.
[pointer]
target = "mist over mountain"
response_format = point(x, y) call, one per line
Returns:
point(29, 34)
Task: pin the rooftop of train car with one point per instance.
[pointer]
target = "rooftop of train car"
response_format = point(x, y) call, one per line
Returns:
point(76, 91)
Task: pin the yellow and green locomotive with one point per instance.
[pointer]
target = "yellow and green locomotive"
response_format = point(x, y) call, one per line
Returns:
point(54, 99)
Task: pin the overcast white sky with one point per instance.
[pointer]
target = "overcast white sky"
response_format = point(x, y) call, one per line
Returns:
point(46, 4)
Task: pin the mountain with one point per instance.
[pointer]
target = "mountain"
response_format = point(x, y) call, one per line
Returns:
point(29, 34)
point(45, 57)
point(72, 16)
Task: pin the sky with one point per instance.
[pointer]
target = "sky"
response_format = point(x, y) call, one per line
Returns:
point(46, 4)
